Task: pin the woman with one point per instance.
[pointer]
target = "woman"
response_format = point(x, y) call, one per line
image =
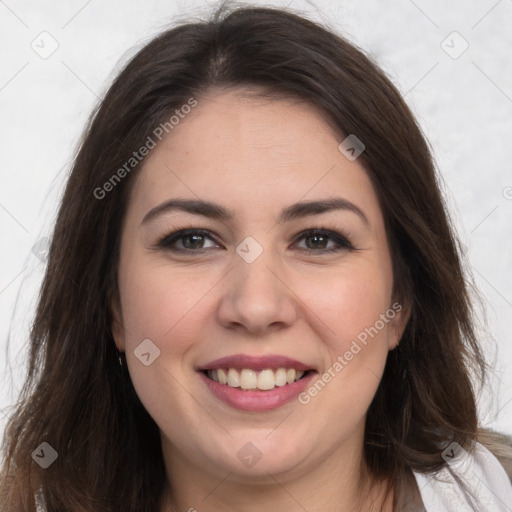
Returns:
point(253, 293)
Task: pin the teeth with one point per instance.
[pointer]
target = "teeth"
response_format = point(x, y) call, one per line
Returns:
point(233, 378)
point(250, 379)
point(223, 378)
point(290, 375)
point(266, 380)
point(280, 377)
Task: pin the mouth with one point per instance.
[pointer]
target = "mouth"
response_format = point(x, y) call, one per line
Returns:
point(247, 379)
point(256, 383)
point(252, 390)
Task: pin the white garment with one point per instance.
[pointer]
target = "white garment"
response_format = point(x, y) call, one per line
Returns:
point(483, 476)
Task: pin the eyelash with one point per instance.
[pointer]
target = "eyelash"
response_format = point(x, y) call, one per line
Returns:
point(342, 241)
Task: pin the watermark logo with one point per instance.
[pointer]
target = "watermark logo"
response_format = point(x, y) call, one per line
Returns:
point(249, 454)
point(12, 468)
point(457, 457)
point(351, 147)
point(249, 249)
point(454, 45)
point(41, 248)
point(45, 455)
point(45, 45)
point(343, 360)
point(147, 352)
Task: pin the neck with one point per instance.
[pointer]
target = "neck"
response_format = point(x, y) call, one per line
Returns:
point(341, 482)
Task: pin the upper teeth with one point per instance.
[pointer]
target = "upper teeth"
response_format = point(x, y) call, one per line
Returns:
point(251, 379)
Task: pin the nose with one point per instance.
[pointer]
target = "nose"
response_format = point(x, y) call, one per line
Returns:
point(256, 297)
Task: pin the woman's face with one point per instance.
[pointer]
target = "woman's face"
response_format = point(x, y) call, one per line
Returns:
point(253, 285)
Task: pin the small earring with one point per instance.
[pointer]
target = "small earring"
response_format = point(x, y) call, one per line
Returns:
point(120, 360)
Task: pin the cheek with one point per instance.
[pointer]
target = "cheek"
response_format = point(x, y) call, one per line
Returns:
point(356, 340)
point(161, 303)
point(350, 306)
point(348, 302)
point(165, 303)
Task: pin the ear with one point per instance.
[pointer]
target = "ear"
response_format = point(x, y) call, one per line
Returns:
point(398, 322)
point(117, 324)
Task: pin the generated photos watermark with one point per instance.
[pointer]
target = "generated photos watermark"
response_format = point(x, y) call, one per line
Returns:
point(343, 360)
point(137, 156)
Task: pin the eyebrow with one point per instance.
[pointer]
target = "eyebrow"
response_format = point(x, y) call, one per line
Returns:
point(218, 212)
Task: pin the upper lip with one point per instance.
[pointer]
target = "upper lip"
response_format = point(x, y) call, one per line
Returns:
point(257, 363)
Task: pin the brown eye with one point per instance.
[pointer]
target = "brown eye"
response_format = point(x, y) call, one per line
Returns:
point(186, 240)
point(318, 240)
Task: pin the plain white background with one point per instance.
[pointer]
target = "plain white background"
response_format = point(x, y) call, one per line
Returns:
point(459, 85)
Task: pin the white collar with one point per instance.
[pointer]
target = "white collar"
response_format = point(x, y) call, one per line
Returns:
point(486, 483)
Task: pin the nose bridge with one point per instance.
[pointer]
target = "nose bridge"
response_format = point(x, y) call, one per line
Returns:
point(256, 294)
point(258, 276)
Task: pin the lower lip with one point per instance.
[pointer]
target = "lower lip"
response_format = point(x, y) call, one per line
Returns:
point(257, 400)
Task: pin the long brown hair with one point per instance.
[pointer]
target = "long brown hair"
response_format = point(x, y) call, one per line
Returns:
point(81, 401)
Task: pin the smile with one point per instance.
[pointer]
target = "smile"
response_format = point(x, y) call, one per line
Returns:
point(248, 379)
point(253, 398)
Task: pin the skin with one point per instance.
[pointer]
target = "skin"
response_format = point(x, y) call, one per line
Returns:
point(255, 157)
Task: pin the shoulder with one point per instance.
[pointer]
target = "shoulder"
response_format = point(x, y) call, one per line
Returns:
point(473, 480)
point(500, 445)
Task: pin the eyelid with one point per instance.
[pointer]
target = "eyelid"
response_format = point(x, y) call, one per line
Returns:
point(179, 233)
point(338, 236)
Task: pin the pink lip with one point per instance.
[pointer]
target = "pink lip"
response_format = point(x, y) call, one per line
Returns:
point(257, 400)
point(257, 363)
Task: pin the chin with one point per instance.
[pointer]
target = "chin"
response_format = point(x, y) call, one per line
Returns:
point(251, 459)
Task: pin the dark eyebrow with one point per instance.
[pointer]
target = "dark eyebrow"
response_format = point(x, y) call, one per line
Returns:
point(217, 212)
point(306, 208)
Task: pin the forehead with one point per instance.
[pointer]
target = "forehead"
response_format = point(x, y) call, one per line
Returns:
point(251, 154)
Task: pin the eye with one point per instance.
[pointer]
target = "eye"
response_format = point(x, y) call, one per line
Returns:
point(186, 240)
point(317, 241)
